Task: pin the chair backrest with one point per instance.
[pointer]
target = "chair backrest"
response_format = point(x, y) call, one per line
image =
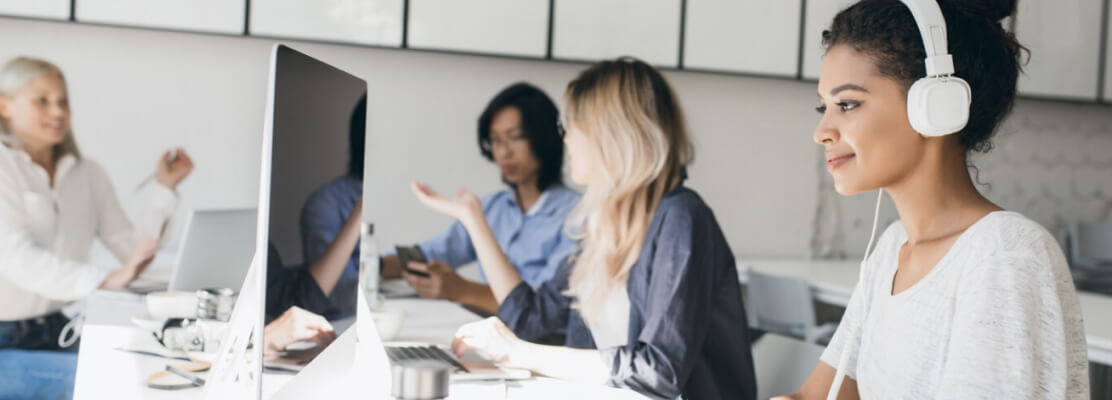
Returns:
point(1091, 243)
point(782, 364)
point(780, 304)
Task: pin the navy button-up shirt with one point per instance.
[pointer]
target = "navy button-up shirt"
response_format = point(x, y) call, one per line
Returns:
point(687, 327)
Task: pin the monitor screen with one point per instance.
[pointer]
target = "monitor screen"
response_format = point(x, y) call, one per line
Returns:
point(315, 179)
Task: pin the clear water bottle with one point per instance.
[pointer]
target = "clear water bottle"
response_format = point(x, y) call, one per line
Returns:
point(369, 268)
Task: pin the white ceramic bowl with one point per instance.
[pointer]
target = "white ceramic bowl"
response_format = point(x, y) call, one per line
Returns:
point(163, 305)
point(388, 321)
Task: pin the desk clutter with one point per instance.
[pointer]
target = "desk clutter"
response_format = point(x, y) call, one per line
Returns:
point(185, 328)
point(213, 304)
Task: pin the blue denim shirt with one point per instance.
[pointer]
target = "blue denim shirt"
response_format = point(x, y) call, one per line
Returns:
point(322, 218)
point(687, 328)
point(534, 242)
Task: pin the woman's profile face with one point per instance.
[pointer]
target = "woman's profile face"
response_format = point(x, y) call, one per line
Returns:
point(38, 114)
point(867, 139)
point(578, 154)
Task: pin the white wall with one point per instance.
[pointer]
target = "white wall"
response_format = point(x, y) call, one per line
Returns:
point(135, 92)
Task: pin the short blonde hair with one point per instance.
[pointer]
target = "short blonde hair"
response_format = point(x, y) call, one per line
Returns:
point(17, 74)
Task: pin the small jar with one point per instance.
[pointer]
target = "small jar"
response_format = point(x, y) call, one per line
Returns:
point(215, 303)
point(420, 380)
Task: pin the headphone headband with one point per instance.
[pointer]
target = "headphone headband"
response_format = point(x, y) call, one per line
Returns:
point(932, 26)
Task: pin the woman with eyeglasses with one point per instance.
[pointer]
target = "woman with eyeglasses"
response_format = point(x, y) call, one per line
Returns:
point(518, 132)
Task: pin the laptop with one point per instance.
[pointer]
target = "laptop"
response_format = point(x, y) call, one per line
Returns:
point(471, 367)
point(216, 250)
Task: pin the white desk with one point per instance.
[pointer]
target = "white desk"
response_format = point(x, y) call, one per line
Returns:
point(104, 372)
point(832, 282)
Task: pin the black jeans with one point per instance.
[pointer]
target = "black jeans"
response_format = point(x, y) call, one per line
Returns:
point(34, 334)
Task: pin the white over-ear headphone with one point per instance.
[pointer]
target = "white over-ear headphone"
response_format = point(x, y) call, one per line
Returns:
point(938, 104)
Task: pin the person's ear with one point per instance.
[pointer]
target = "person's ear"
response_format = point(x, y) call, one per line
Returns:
point(4, 107)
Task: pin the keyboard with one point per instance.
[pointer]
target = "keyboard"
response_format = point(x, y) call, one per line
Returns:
point(399, 353)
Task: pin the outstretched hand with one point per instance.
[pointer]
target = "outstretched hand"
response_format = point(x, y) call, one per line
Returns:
point(463, 207)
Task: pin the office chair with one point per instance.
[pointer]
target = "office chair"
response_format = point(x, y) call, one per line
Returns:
point(782, 364)
point(1089, 250)
point(784, 305)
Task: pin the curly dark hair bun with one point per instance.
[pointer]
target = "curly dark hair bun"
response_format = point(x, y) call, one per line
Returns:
point(985, 55)
point(992, 10)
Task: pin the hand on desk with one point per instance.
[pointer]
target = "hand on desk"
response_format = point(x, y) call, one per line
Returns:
point(293, 326)
point(491, 338)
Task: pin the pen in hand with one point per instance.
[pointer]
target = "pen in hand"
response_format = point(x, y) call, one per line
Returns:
point(169, 160)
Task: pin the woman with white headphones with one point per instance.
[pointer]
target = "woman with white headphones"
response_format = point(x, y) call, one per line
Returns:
point(961, 299)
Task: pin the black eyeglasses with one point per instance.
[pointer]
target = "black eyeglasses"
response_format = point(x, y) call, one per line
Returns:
point(560, 128)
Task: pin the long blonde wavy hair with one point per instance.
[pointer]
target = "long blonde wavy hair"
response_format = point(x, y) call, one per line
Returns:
point(639, 147)
point(17, 74)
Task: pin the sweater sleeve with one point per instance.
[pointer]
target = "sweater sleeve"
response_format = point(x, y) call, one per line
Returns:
point(1011, 333)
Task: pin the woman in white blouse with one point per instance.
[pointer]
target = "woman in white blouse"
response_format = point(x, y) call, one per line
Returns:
point(53, 203)
point(961, 299)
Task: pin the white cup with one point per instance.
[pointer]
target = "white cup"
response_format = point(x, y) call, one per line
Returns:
point(164, 305)
point(388, 321)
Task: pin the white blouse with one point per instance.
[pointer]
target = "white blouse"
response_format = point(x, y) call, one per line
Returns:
point(997, 317)
point(46, 233)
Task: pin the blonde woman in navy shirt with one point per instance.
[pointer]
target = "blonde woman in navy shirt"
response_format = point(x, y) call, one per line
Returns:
point(651, 301)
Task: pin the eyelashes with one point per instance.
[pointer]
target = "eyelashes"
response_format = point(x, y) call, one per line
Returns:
point(845, 106)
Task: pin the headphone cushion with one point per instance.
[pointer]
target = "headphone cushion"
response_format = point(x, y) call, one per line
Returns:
point(938, 106)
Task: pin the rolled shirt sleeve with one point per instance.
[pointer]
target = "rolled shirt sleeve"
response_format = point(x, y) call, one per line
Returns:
point(287, 287)
point(535, 313)
point(114, 228)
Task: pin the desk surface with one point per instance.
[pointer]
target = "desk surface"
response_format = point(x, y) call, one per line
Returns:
point(833, 282)
point(105, 372)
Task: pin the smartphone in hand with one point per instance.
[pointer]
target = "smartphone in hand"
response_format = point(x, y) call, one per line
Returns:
point(407, 254)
